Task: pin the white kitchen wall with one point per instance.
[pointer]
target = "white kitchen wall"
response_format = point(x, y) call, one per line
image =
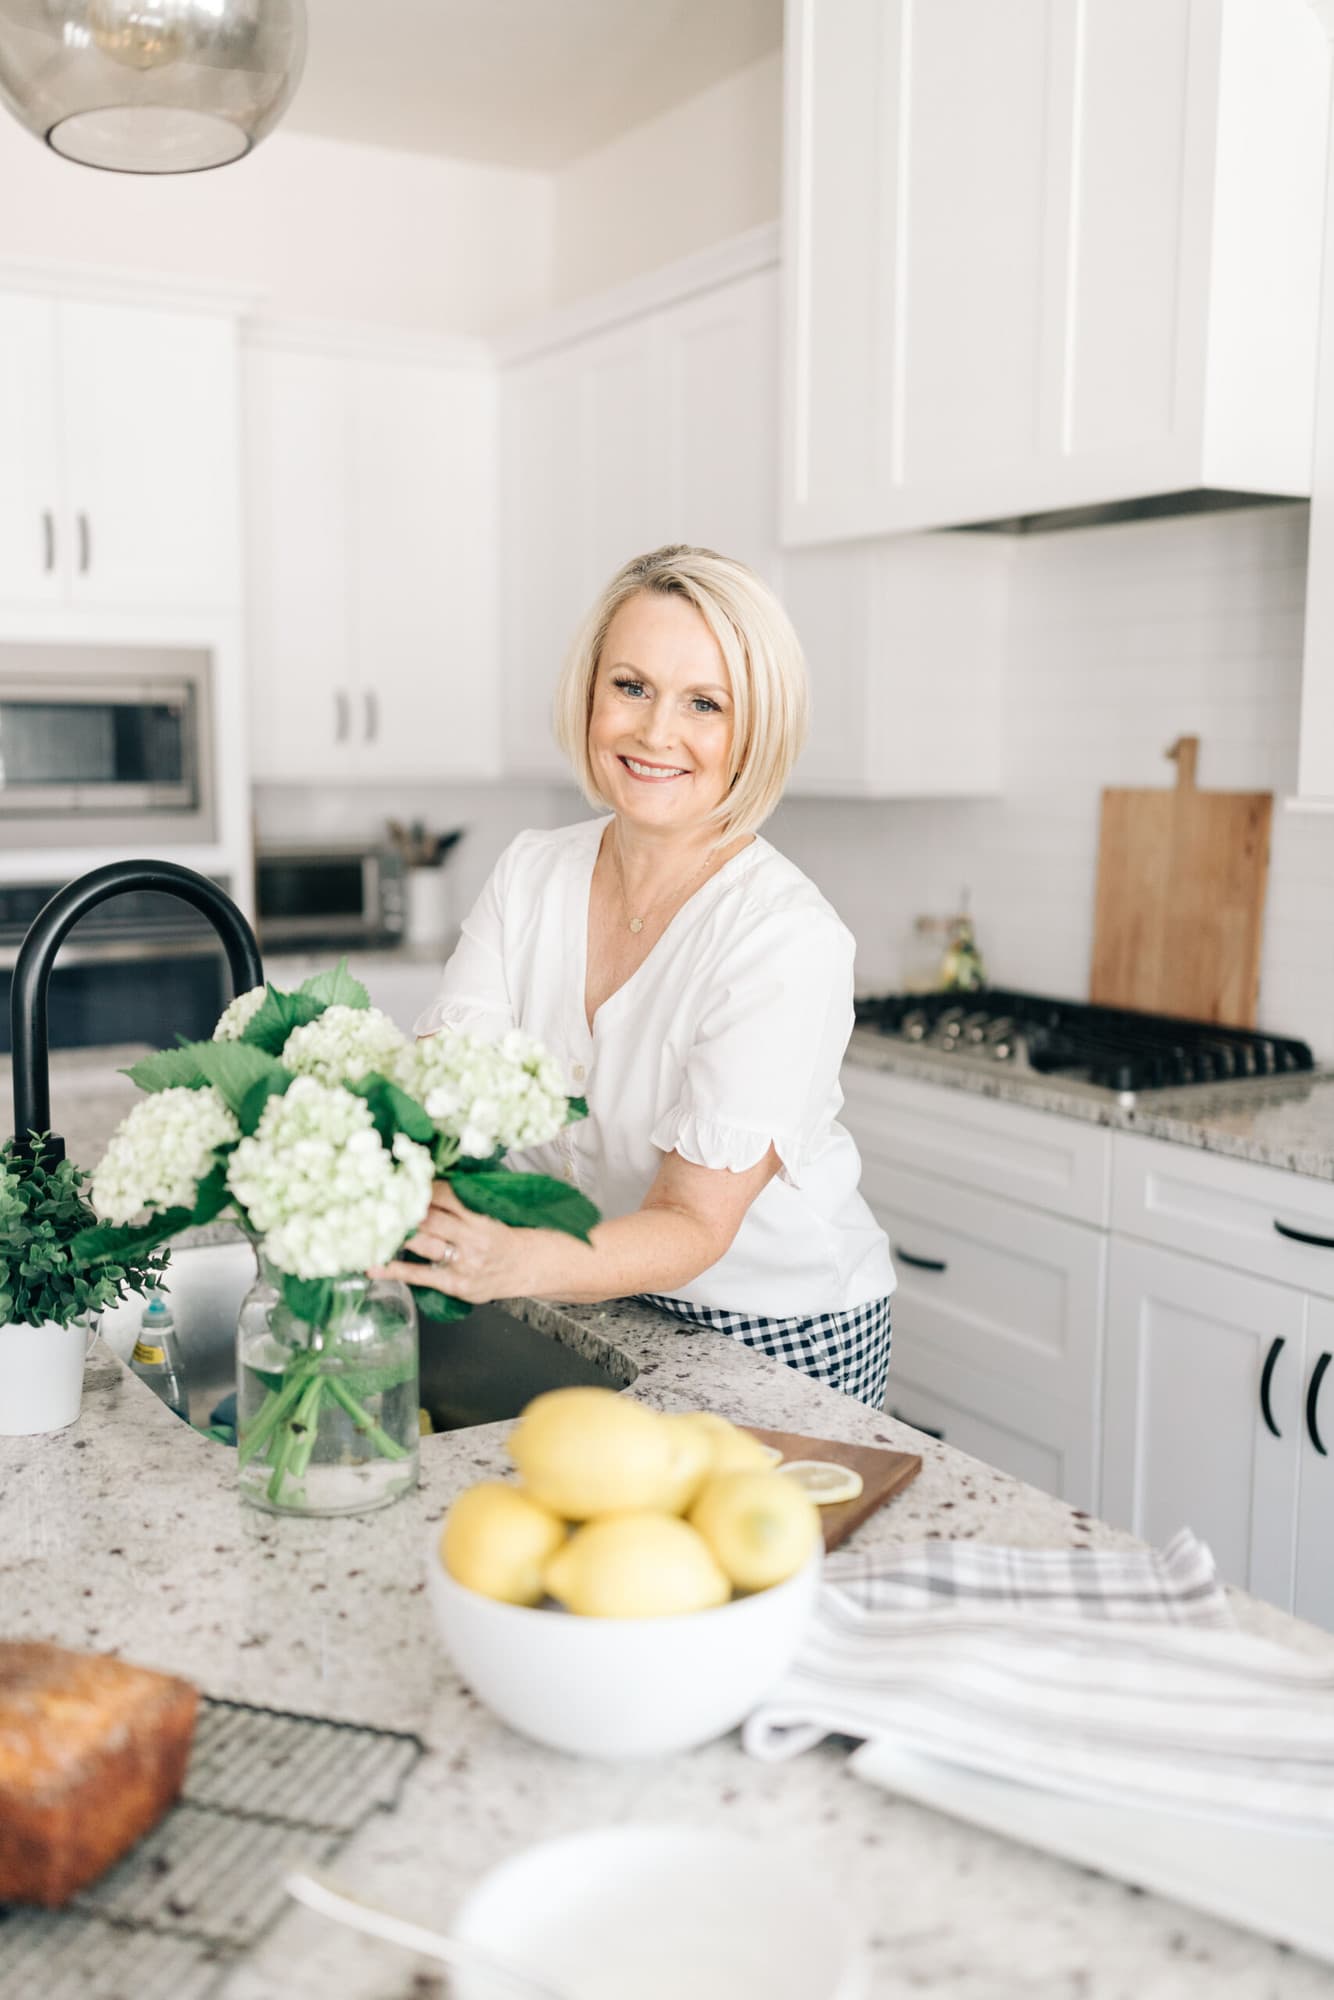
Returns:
point(1121, 639)
point(318, 229)
point(707, 170)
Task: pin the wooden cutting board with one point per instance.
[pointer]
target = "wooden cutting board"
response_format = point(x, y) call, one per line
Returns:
point(1179, 919)
point(884, 1473)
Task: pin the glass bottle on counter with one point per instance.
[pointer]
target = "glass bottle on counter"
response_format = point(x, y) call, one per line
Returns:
point(156, 1358)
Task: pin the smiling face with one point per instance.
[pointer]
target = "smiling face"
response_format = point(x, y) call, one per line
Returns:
point(660, 731)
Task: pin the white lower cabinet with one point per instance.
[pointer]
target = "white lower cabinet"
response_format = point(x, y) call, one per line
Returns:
point(998, 1311)
point(1196, 1356)
point(1313, 1592)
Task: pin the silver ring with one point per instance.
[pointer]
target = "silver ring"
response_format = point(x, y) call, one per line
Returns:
point(447, 1254)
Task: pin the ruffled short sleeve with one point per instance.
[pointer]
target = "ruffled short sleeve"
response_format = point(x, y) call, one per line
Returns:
point(474, 993)
point(762, 1069)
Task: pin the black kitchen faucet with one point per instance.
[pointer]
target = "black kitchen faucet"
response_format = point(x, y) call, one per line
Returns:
point(46, 934)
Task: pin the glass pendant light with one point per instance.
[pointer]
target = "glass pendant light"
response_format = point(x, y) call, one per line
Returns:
point(150, 86)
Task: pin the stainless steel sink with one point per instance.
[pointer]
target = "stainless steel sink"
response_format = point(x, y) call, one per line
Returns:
point(479, 1370)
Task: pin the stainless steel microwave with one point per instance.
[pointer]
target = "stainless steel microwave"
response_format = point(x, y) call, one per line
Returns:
point(105, 744)
point(310, 897)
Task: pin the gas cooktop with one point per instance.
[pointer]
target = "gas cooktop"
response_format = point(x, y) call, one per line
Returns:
point(1108, 1052)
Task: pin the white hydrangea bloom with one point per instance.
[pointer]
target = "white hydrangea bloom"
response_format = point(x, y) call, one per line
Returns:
point(236, 1017)
point(160, 1152)
point(508, 1094)
point(321, 1189)
point(345, 1044)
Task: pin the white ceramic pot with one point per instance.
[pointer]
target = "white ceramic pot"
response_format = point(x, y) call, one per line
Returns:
point(430, 910)
point(41, 1376)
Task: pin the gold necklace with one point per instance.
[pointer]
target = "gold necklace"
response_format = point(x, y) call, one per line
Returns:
point(636, 924)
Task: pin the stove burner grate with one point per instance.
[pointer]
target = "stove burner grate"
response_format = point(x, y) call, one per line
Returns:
point(1112, 1047)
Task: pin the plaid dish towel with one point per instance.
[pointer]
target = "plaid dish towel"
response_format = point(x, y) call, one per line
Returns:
point(1115, 1674)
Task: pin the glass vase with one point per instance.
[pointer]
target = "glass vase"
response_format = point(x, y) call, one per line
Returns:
point(327, 1415)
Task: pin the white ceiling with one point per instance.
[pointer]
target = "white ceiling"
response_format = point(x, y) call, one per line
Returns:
point(523, 83)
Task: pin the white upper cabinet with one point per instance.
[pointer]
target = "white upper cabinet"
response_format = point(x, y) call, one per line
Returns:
point(31, 477)
point(119, 456)
point(372, 527)
point(657, 429)
point(721, 403)
point(1056, 253)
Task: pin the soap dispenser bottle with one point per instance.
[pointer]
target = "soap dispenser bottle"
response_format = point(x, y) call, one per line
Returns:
point(157, 1356)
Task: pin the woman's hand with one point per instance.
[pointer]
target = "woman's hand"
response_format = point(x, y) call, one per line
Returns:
point(472, 1257)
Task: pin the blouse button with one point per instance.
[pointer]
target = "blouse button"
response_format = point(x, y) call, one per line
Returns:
point(579, 1072)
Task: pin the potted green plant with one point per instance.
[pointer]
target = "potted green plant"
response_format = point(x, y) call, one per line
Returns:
point(49, 1296)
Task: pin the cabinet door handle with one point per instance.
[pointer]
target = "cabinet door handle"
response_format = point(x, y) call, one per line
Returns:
point(372, 715)
point(925, 1429)
point(85, 544)
point(918, 1263)
point(1312, 1397)
point(1304, 1236)
point(342, 717)
point(1276, 1347)
point(48, 540)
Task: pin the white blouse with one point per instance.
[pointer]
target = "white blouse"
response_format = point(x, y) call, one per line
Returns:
point(727, 1038)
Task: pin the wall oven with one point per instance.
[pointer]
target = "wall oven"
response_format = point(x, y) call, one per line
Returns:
point(105, 745)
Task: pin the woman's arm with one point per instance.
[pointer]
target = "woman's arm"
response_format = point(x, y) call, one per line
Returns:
point(690, 1216)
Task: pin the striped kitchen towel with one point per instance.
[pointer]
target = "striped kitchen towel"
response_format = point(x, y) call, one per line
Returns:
point(1115, 1674)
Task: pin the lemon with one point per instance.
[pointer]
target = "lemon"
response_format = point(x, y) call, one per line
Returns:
point(733, 1450)
point(497, 1540)
point(585, 1452)
point(825, 1481)
point(693, 1466)
point(760, 1526)
point(636, 1565)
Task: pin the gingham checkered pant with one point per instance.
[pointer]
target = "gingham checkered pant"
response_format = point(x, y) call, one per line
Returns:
point(845, 1350)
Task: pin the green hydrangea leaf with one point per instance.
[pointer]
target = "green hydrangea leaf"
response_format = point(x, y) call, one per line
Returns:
point(311, 1299)
point(393, 1110)
point(275, 1018)
point(578, 1109)
point(211, 1196)
point(126, 1242)
point(169, 1069)
point(234, 1068)
point(335, 989)
point(252, 1105)
point(527, 1201)
point(435, 1305)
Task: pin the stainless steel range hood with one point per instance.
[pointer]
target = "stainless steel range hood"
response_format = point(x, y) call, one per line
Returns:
point(1147, 507)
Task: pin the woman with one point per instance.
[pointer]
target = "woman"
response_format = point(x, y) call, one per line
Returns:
point(696, 988)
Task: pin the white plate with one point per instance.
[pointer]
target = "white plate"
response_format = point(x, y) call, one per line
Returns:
point(1276, 1883)
point(662, 1912)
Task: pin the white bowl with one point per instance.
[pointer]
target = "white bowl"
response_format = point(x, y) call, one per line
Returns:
point(654, 1913)
point(622, 1687)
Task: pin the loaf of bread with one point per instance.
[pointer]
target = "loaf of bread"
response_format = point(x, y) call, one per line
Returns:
point(92, 1753)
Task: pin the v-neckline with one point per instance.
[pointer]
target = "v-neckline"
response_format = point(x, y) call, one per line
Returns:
point(586, 907)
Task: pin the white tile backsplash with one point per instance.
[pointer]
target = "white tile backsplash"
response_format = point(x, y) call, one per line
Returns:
point(1120, 639)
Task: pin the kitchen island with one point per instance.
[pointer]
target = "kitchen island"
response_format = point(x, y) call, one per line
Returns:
point(124, 1533)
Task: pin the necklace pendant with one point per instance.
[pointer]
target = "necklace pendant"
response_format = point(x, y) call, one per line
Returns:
point(636, 923)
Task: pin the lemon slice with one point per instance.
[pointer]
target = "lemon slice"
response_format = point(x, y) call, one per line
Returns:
point(825, 1482)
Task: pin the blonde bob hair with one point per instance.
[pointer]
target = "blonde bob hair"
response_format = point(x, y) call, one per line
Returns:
point(765, 668)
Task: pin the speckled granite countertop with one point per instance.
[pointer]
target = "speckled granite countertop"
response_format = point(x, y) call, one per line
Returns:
point(124, 1533)
point(1288, 1124)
